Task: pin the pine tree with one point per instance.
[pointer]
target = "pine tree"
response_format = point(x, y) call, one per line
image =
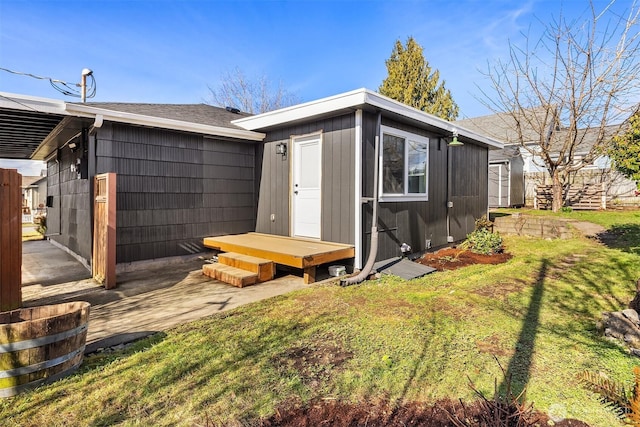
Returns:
point(411, 81)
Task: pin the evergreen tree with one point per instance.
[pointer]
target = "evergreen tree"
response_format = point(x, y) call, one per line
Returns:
point(411, 81)
point(625, 151)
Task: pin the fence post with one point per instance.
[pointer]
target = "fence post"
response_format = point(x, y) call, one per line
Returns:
point(10, 240)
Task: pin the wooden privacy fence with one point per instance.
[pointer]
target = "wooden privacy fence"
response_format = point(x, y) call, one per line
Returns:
point(103, 262)
point(586, 197)
point(10, 240)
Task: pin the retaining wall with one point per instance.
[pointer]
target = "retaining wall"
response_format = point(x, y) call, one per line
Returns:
point(541, 227)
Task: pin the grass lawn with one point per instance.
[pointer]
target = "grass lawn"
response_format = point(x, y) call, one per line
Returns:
point(30, 232)
point(389, 339)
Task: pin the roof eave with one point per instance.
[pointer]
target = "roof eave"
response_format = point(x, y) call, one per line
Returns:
point(32, 103)
point(159, 122)
point(356, 99)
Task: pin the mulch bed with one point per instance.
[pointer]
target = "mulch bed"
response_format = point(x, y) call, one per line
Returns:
point(454, 258)
point(342, 414)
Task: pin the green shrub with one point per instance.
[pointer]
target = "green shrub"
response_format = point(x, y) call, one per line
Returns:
point(483, 241)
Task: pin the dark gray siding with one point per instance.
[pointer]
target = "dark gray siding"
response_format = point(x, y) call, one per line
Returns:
point(69, 219)
point(173, 189)
point(338, 182)
point(517, 181)
point(406, 222)
point(469, 192)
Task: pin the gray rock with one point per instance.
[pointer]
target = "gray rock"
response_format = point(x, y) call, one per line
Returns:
point(632, 315)
point(617, 325)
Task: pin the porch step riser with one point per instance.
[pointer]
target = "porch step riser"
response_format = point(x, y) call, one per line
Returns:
point(230, 275)
point(264, 268)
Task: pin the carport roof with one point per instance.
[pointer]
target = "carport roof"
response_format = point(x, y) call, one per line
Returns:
point(25, 122)
point(32, 128)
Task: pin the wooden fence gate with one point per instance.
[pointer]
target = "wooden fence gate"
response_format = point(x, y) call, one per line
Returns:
point(104, 230)
point(10, 240)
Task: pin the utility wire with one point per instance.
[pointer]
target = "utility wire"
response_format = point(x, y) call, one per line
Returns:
point(69, 89)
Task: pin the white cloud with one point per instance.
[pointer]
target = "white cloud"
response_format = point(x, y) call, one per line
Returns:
point(25, 167)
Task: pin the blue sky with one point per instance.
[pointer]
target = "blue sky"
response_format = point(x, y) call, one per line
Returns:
point(163, 51)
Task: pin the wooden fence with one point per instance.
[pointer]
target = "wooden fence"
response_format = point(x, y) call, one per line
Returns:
point(10, 240)
point(586, 197)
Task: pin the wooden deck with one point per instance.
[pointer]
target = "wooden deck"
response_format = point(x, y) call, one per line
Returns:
point(293, 252)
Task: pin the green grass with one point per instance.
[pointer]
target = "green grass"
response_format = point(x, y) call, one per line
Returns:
point(30, 234)
point(606, 219)
point(399, 340)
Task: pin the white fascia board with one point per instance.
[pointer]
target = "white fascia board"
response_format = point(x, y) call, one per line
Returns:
point(356, 99)
point(32, 103)
point(159, 122)
point(302, 111)
point(391, 105)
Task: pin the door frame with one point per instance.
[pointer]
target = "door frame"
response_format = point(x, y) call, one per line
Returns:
point(295, 141)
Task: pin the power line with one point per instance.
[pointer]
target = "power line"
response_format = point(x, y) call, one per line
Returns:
point(69, 89)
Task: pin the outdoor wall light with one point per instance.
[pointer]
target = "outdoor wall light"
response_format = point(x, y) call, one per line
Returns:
point(73, 146)
point(454, 142)
point(281, 149)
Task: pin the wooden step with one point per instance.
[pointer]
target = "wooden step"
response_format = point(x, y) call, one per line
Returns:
point(231, 275)
point(264, 268)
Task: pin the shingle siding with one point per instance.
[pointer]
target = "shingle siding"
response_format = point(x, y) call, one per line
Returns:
point(173, 189)
point(69, 219)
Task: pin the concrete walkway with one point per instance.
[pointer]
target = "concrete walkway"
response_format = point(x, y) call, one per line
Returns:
point(144, 302)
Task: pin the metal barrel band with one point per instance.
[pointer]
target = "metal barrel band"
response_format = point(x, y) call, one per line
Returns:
point(10, 373)
point(38, 342)
point(12, 391)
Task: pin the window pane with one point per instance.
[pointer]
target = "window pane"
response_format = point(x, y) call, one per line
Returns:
point(417, 167)
point(392, 164)
point(310, 158)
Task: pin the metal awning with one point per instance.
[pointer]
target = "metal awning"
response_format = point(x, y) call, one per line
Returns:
point(25, 122)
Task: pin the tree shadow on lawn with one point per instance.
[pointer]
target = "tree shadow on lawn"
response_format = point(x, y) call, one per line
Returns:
point(625, 237)
point(518, 370)
point(577, 302)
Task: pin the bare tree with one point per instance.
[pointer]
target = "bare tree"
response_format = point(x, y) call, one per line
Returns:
point(572, 88)
point(253, 96)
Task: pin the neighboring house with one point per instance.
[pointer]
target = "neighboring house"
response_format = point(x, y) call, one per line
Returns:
point(506, 178)
point(596, 174)
point(34, 196)
point(185, 172)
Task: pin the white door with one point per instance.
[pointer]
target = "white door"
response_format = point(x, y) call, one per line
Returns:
point(305, 190)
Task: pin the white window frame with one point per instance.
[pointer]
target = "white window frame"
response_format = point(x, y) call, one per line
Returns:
point(406, 196)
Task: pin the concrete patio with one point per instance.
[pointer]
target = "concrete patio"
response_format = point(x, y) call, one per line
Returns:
point(144, 302)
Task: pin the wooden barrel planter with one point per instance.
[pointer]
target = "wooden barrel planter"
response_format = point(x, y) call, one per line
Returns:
point(41, 344)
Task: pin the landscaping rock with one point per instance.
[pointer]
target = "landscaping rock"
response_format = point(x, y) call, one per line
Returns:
point(623, 326)
point(632, 315)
